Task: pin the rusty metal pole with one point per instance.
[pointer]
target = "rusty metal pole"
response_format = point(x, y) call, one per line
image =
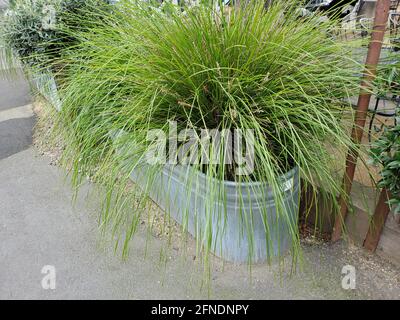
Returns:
point(374, 52)
point(378, 221)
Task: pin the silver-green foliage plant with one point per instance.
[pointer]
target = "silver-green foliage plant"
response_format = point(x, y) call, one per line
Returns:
point(33, 30)
point(27, 29)
point(282, 77)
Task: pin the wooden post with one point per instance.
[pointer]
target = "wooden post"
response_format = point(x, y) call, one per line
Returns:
point(374, 52)
point(378, 221)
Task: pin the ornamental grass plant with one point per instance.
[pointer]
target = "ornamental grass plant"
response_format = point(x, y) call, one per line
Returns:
point(141, 69)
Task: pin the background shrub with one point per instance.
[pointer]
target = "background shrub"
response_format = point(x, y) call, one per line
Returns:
point(386, 152)
point(33, 29)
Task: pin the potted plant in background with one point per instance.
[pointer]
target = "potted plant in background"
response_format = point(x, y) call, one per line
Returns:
point(32, 32)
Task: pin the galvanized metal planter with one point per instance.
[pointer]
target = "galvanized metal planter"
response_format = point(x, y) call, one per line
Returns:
point(47, 87)
point(185, 202)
